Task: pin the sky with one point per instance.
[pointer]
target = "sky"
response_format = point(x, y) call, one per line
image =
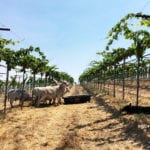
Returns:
point(69, 32)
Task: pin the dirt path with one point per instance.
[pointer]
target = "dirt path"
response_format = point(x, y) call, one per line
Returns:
point(88, 126)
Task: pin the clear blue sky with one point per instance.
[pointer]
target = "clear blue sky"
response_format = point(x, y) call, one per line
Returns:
point(69, 32)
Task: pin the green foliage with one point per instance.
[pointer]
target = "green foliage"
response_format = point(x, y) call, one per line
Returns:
point(122, 27)
point(140, 42)
point(13, 82)
point(66, 77)
point(4, 42)
point(145, 23)
point(6, 54)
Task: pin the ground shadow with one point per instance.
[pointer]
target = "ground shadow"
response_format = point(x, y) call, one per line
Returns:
point(130, 129)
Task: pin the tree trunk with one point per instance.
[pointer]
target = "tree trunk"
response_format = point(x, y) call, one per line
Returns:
point(33, 80)
point(6, 89)
point(149, 71)
point(104, 81)
point(123, 80)
point(23, 83)
point(108, 87)
point(114, 90)
point(45, 81)
point(137, 82)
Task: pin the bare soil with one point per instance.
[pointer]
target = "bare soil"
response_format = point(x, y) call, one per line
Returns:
point(97, 125)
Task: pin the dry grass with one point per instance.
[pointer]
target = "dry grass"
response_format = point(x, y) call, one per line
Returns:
point(91, 126)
